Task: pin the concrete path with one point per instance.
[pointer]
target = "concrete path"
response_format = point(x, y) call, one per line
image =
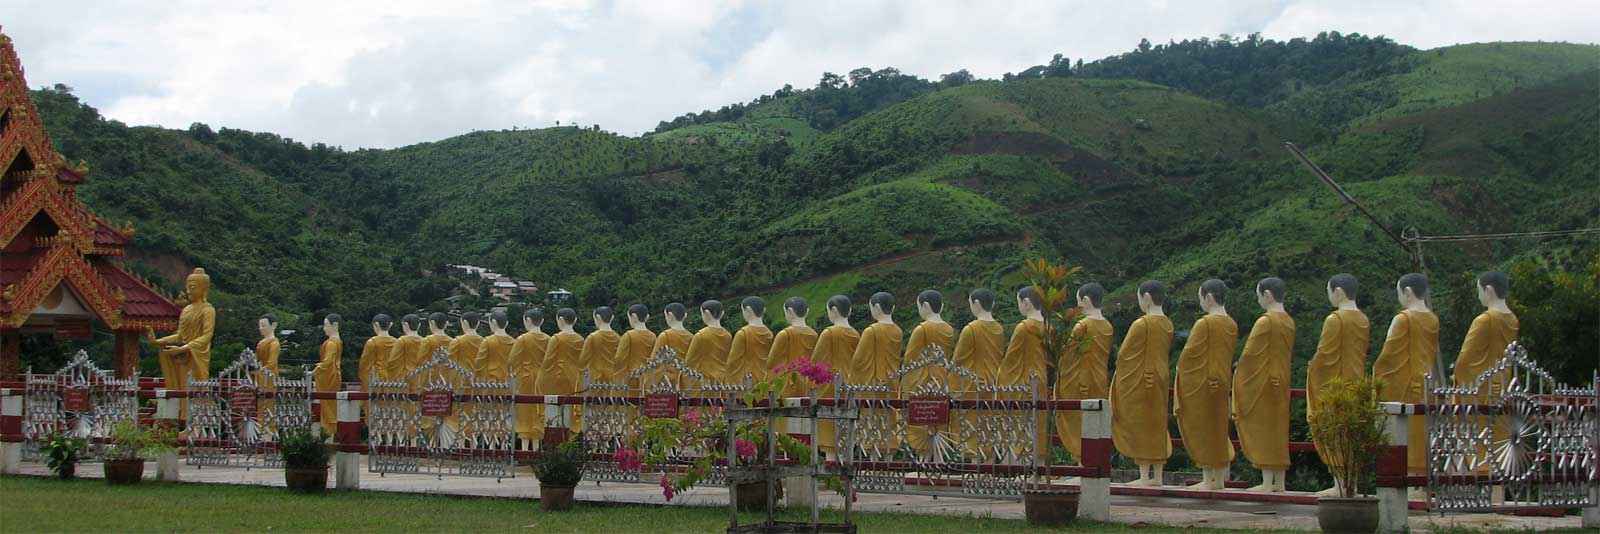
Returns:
point(1124, 509)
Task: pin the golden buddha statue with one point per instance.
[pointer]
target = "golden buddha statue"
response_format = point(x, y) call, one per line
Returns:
point(559, 373)
point(326, 374)
point(634, 348)
point(464, 348)
point(1139, 388)
point(1409, 353)
point(1083, 368)
point(1261, 388)
point(708, 350)
point(187, 352)
point(1202, 386)
point(437, 338)
point(493, 361)
point(1341, 355)
point(747, 356)
point(527, 358)
point(836, 348)
point(675, 337)
point(599, 348)
point(979, 349)
point(795, 341)
point(933, 332)
point(374, 360)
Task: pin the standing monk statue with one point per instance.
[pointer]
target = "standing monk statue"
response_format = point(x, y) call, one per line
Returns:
point(1409, 353)
point(1341, 355)
point(1261, 388)
point(1084, 367)
point(326, 374)
point(187, 353)
point(1202, 385)
point(1139, 388)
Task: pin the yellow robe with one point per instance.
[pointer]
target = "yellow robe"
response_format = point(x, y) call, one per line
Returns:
point(632, 351)
point(430, 343)
point(1483, 348)
point(595, 357)
point(793, 343)
point(1341, 354)
point(1201, 387)
point(979, 350)
point(404, 357)
point(707, 351)
point(267, 356)
point(375, 359)
point(196, 324)
point(1024, 358)
point(747, 356)
point(1139, 392)
point(835, 347)
point(1261, 392)
point(493, 361)
point(464, 350)
point(1408, 356)
point(326, 376)
point(559, 373)
point(678, 341)
point(1083, 376)
point(878, 355)
point(527, 356)
point(925, 336)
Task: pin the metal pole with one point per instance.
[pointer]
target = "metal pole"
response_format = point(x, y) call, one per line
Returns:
point(1326, 179)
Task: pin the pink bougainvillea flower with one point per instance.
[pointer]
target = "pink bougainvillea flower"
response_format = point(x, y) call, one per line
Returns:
point(745, 448)
point(666, 488)
point(692, 417)
point(628, 460)
point(817, 372)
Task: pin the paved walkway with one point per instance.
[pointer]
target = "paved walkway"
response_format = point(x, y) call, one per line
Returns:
point(1124, 509)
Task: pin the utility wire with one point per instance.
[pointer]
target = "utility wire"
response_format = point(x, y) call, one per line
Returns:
point(1510, 235)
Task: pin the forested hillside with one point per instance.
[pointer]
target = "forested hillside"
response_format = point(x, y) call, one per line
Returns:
point(1165, 162)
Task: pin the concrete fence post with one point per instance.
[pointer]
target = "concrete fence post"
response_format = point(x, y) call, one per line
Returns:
point(797, 490)
point(1094, 499)
point(11, 430)
point(557, 422)
point(348, 446)
point(1393, 507)
point(167, 410)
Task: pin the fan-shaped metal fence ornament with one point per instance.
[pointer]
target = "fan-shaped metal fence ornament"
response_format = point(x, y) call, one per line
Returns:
point(81, 400)
point(441, 419)
point(236, 416)
point(1511, 439)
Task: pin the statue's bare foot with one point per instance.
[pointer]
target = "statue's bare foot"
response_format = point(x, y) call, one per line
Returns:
point(1263, 487)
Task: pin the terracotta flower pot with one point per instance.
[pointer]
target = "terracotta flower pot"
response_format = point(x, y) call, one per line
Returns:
point(124, 471)
point(1050, 507)
point(555, 498)
point(1342, 515)
point(306, 479)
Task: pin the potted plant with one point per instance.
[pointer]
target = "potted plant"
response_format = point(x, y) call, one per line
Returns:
point(1348, 428)
point(559, 471)
point(131, 445)
point(305, 459)
point(1043, 503)
point(64, 452)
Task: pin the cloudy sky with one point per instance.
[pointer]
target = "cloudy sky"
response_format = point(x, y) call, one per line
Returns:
point(393, 72)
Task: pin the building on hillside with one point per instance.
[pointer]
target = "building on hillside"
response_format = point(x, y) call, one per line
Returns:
point(525, 288)
point(60, 268)
point(504, 289)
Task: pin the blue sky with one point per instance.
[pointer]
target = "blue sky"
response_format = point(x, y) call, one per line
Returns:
point(382, 74)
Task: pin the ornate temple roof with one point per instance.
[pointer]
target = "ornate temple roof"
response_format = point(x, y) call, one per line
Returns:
point(49, 240)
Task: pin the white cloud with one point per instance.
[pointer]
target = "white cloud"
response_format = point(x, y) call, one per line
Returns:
point(389, 73)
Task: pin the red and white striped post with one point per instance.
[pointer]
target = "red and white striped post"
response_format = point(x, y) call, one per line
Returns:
point(557, 422)
point(347, 443)
point(1094, 498)
point(11, 430)
point(167, 414)
point(1393, 507)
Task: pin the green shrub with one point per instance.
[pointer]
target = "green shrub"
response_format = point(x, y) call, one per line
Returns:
point(303, 448)
point(562, 466)
point(129, 441)
point(64, 452)
point(1348, 427)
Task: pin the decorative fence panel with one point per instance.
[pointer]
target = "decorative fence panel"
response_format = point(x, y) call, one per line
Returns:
point(80, 400)
point(1512, 439)
point(613, 414)
point(236, 416)
point(441, 419)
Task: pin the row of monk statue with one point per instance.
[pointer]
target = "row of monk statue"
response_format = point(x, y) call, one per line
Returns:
point(1208, 391)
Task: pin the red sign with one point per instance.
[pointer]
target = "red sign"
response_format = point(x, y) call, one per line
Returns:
point(437, 402)
point(75, 399)
point(928, 411)
point(243, 400)
point(661, 405)
point(74, 329)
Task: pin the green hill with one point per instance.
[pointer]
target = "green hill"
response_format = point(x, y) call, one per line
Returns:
point(885, 182)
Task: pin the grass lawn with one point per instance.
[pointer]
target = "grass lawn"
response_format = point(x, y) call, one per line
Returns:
point(47, 505)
